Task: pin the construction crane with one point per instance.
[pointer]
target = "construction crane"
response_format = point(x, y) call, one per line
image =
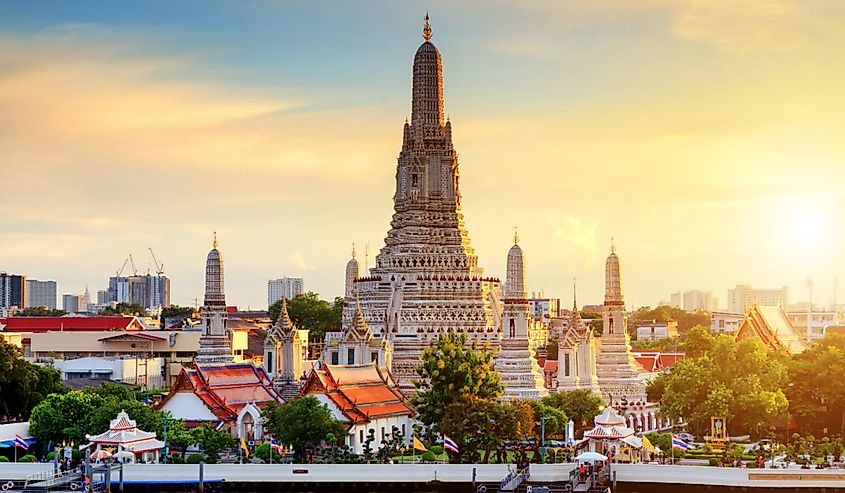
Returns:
point(120, 271)
point(159, 267)
point(132, 262)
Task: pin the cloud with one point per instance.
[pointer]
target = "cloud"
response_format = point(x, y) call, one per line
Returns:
point(297, 261)
point(579, 235)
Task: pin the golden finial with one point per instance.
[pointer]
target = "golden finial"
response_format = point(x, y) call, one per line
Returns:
point(515, 236)
point(612, 245)
point(353, 250)
point(426, 29)
point(214, 244)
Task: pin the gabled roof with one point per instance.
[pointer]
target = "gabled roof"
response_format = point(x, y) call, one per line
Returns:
point(656, 361)
point(56, 324)
point(226, 388)
point(360, 392)
point(131, 337)
point(771, 325)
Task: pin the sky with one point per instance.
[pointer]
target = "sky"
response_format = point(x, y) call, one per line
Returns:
point(705, 137)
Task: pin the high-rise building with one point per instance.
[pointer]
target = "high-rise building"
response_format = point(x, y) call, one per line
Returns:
point(149, 291)
point(73, 303)
point(41, 293)
point(675, 300)
point(743, 297)
point(284, 287)
point(12, 290)
point(695, 300)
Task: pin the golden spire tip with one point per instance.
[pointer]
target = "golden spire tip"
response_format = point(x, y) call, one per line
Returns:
point(426, 29)
point(214, 243)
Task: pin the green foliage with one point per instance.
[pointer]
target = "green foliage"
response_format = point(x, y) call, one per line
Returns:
point(302, 422)
point(697, 342)
point(817, 393)
point(212, 441)
point(22, 384)
point(125, 309)
point(195, 459)
point(453, 371)
point(552, 349)
point(556, 419)
point(263, 452)
point(429, 456)
point(28, 458)
point(308, 311)
point(39, 311)
point(656, 387)
point(3, 458)
point(436, 450)
point(713, 461)
point(64, 418)
point(686, 320)
point(581, 406)
point(741, 381)
point(173, 311)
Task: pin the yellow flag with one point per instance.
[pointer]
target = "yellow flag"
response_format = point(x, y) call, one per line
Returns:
point(647, 444)
point(244, 447)
point(418, 445)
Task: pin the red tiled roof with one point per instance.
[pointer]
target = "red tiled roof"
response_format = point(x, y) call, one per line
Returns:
point(55, 324)
point(550, 367)
point(131, 336)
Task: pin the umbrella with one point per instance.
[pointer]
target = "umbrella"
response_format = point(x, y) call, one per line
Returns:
point(101, 454)
point(124, 455)
point(591, 457)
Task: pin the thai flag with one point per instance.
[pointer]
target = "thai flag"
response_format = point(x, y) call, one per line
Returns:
point(450, 444)
point(20, 442)
point(679, 444)
point(275, 446)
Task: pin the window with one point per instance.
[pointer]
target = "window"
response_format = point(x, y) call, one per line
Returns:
point(350, 356)
point(415, 180)
point(361, 436)
point(721, 324)
point(403, 430)
point(373, 356)
point(382, 433)
point(566, 364)
point(268, 362)
point(335, 358)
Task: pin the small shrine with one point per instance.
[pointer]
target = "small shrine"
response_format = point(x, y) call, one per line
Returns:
point(610, 436)
point(123, 434)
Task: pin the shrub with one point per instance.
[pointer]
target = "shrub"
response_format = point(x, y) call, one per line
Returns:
point(714, 461)
point(28, 458)
point(436, 449)
point(429, 456)
point(3, 458)
point(195, 459)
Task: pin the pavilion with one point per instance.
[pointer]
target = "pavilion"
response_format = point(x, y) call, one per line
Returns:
point(124, 435)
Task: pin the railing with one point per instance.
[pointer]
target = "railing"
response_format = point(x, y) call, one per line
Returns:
point(50, 477)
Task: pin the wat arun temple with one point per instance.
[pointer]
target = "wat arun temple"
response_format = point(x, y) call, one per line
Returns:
point(427, 281)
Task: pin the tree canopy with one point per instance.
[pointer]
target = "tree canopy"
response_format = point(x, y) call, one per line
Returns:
point(686, 320)
point(581, 406)
point(303, 423)
point(22, 384)
point(39, 311)
point(174, 311)
point(817, 390)
point(125, 309)
point(308, 311)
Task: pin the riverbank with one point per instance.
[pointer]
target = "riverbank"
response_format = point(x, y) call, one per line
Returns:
point(441, 477)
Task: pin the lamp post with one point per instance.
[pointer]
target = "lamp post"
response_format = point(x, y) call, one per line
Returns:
point(166, 448)
point(543, 420)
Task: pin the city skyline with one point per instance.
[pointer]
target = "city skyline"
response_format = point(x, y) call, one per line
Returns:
point(241, 122)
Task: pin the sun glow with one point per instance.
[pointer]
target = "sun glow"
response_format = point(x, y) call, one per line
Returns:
point(809, 223)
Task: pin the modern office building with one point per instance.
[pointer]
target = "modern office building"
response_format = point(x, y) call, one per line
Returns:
point(41, 293)
point(284, 287)
point(743, 297)
point(695, 300)
point(12, 290)
point(73, 303)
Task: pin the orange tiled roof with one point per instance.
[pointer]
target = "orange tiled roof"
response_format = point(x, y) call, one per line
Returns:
point(771, 325)
point(226, 388)
point(360, 392)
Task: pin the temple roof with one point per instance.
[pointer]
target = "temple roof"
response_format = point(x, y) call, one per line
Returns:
point(609, 425)
point(124, 432)
point(284, 328)
point(360, 392)
point(771, 325)
point(226, 388)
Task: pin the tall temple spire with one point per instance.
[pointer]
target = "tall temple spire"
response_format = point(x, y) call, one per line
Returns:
point(426, 29)
point(215, 346)
point(613, 294)
point(574, 296)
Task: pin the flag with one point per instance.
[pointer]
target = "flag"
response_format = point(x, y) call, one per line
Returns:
point(418, 445)
point(450, 445)
point(647, 444)
point(275, 446)
point(20, 442)
point(244, 447)
point(679, 444)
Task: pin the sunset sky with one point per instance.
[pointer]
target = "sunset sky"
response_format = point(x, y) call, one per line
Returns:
point(707, 137)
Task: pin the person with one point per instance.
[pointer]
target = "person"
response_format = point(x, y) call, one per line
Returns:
point(760, 462)
point(582, 472)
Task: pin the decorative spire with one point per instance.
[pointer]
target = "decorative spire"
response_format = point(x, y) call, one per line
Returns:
point(426, 29)
point(515, 236)
point(214, 243)
point(353, 250)
point(574, 296)
point(612, 245)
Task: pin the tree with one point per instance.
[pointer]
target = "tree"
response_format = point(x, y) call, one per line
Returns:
point(303, 423)
point(581, 406)
point(125, 309)
point(175, 311)
point(556, 420)
point(39, 311)
point(308, 311)
point(64, 418)
point(22, 384)
point(263, 452)
point(697, 342)
point(453, 371)
point(686, 320)
point(817, 390)
point(212, 441)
